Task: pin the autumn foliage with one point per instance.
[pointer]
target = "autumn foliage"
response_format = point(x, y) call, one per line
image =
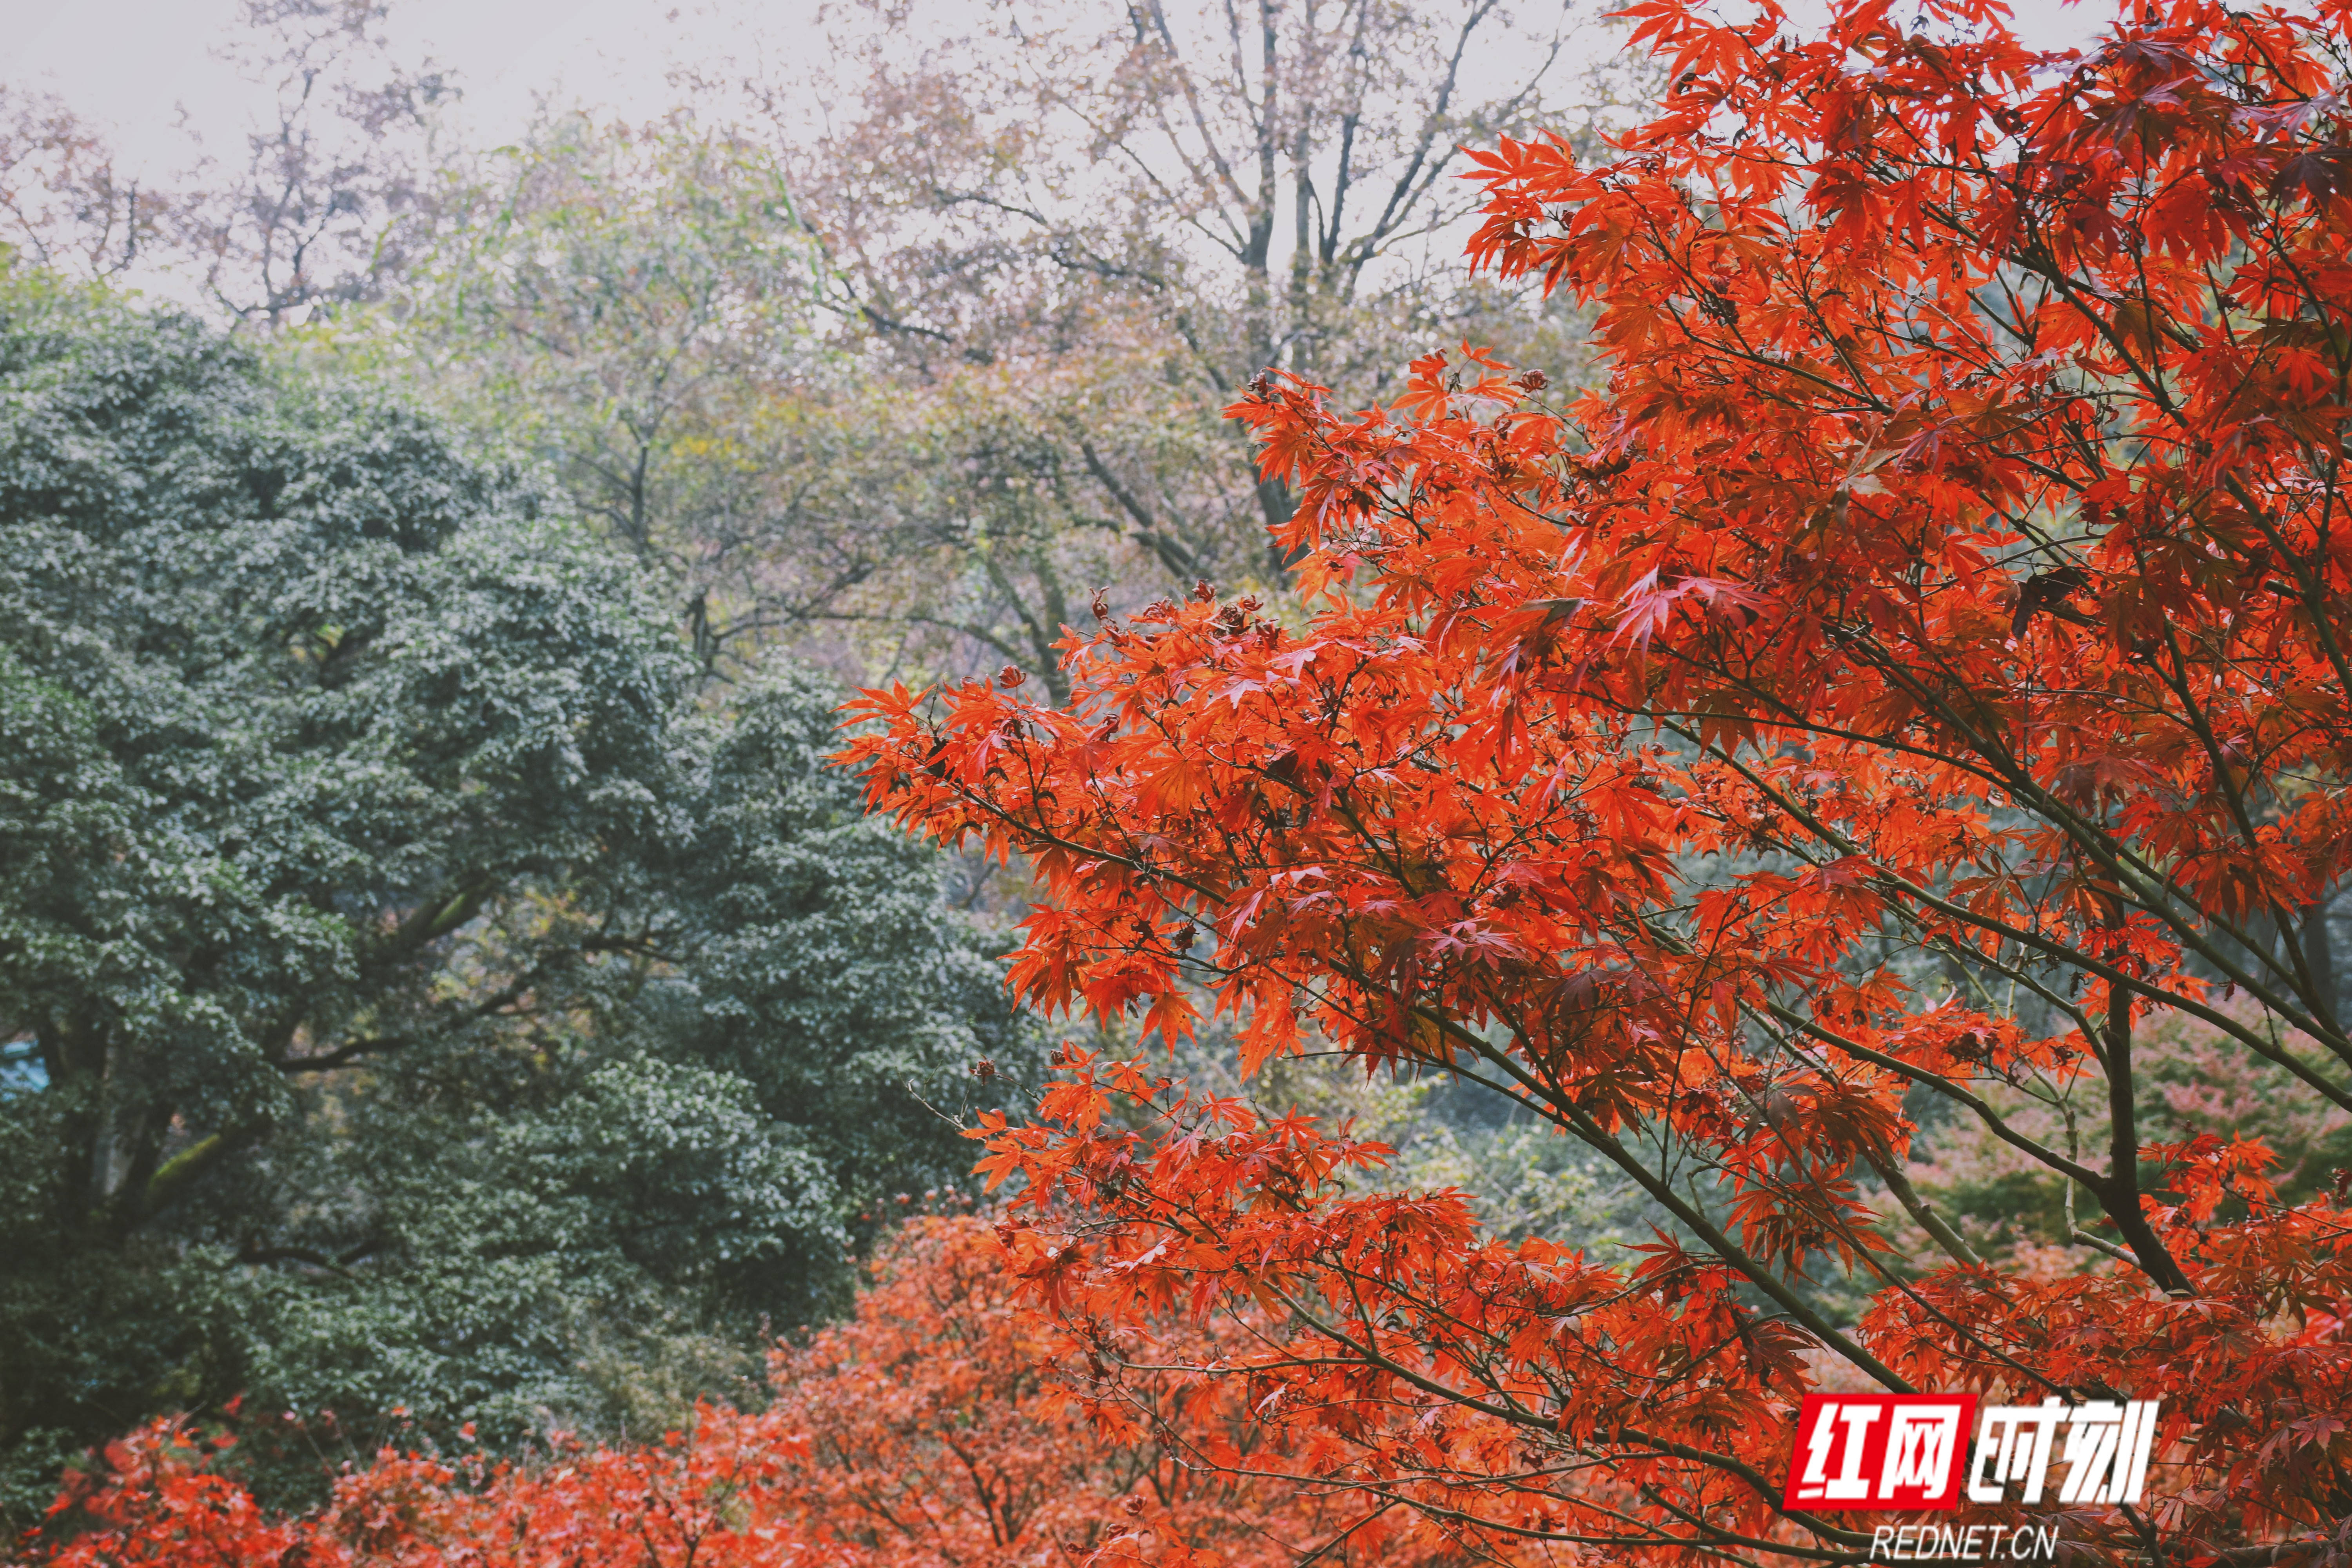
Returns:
point(947, 1423)
point(1921, 670)
point(952, 1423)
point(158, 1497)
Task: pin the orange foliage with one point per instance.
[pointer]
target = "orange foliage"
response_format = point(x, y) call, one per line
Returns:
point(714, 1497)
point(705, 1498)
point(1945, 601)
point(949, 1425)
point(937, 1428)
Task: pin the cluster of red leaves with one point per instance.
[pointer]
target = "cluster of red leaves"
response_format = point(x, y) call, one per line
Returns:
point(951, 1423)
point(712, 1498)
point(1942, 603)
point(945, 1425)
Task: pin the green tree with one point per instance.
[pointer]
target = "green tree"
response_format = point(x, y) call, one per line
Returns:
point(629, 309)
point(409, 995)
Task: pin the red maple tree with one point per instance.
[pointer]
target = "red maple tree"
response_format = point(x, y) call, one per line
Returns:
point(951, 1424)
point(946, 1425)
point(715, 1495)
point(1919, 672)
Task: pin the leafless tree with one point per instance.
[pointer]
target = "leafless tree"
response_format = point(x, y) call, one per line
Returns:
point(1068, 237)
point(63, 203)
point(334, 188)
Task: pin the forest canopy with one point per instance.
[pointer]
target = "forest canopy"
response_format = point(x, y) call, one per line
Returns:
point(1151, 784)
point(421, 999)
point(444, 987)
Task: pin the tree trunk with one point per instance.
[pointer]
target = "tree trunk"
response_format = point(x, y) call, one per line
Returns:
point(2319, 962)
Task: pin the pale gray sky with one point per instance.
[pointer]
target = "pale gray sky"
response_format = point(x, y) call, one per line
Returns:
point(135, 64)
point(128, 65)
point(131, 65)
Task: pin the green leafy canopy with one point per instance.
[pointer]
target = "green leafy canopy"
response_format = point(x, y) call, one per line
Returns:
point(417, 993)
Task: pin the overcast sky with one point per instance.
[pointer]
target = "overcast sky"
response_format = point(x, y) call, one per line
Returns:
point(132, 65)
point(128, 65)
